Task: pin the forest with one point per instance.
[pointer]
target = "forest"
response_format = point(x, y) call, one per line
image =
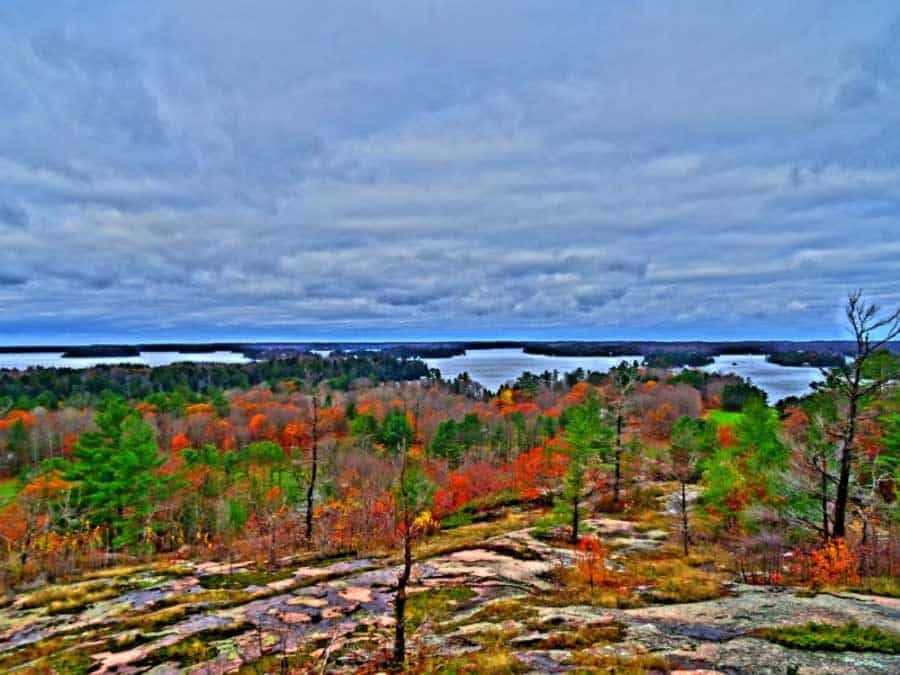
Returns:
point(359, 513)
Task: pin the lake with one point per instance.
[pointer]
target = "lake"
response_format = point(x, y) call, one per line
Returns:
point(490, 367)
point(22, 361)
point(777, 381)
point(495, 367)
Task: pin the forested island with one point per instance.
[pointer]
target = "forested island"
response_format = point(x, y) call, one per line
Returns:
point(806, 358)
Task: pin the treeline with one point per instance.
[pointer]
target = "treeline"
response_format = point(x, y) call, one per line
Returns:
point(677, 360)
point(806, 358)
point(54, 387)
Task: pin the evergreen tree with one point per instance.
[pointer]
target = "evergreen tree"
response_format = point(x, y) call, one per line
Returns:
point(395, 431)
point(116, 471)
point(446, 443)
point(587, 437)
point(750, 471)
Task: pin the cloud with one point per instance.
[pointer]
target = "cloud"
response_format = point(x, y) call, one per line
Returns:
point(359, 169)
point(12, 215)
point(873, 70)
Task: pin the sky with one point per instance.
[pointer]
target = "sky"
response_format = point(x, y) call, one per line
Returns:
point(441, 169)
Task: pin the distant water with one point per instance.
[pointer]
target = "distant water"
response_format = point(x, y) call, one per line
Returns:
point(22, 361)
point(777, 381)
point(490, 367)
point(495, 367)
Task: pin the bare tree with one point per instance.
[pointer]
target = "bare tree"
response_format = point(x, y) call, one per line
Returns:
point(413, 494)
point(813, 471)
point(692, 439)
point(871, 332)
point(624, 377)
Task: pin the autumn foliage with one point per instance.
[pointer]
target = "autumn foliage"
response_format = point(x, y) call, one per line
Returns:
point(833, 563)
point(590, 561)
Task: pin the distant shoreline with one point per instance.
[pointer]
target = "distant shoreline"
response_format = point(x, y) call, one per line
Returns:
point(446, 349)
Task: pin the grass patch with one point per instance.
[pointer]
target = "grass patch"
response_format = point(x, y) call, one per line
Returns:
point(675, 580)
point(645, 521)
point(436, 604)
point(327, 561)
point(455, 520)
point(547, 527)
point(849, 637)
point(63, 653)
point(217, 597)
point(584, 636)
point(889, 586)
point(507, 609)
point(81, 601)
point(72, 598)
point(165, 569)
point(646, 498)
point(27, 653)
point(654, 577)
point(514, 552)
point(639, 664)
point(9, 488)
point(197, 648)
point(156, 620)
point(469, 536)
point(724, 418)
point(497, 661)
point(71, 662)
point(273, 663)
point(610, 598)
point(240, 580)
point(731, 419)
point(57, 593)
point(185, 653)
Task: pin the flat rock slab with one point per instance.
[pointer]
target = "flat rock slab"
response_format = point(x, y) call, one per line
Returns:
point(348, 604)
point(759, 607)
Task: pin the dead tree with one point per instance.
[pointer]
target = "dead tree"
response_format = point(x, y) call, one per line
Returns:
point(871, 332)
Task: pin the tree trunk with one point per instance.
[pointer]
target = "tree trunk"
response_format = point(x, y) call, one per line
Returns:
point(273, 558)
point(843, 487)
point(400, 599)
point(684, 518)
point(310, 491)
point(574, 520)
point(618, 473)
point(824, 499)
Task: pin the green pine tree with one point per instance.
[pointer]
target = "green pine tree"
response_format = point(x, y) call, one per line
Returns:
point(116, 471)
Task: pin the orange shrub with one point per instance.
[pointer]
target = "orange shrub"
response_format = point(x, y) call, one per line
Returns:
point(590, 561)
point(833, 563)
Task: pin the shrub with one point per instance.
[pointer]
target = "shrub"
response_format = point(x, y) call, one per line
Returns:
point(833, 563)
point(590, 561)
point(834, 637)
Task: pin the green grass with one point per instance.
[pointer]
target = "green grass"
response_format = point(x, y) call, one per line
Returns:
point(9, 488)
point(889, 586)
point(498, 611)
point(240, 580)
point(436, 604)
point(724, 418)
point(849, 637)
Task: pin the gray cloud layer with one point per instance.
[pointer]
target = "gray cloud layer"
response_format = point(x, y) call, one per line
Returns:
point(176, 170)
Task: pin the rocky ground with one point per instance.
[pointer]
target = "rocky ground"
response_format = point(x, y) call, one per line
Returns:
point(496, 600)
